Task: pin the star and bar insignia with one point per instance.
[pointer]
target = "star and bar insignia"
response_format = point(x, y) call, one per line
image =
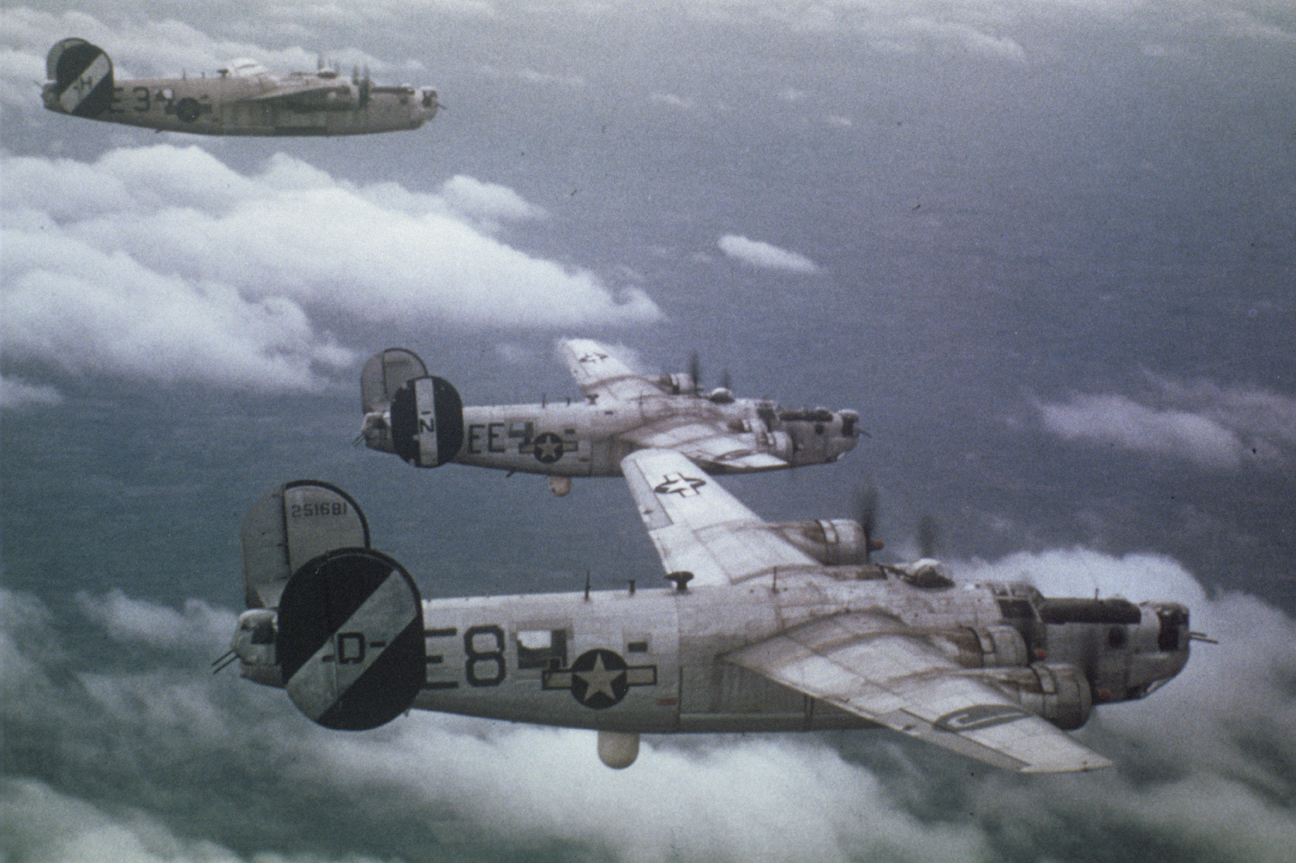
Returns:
point(600, 678)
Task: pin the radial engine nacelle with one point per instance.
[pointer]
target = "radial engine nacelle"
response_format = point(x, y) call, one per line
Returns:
point(831, 541)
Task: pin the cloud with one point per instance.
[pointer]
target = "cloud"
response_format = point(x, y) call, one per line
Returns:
point(15, 393)
point(45, 825)
point(489, 203)
point(532, 76)
point(1122, 422)
point(197, 626)
point(671, 100)
point(765, 256)
point(164, 263)
point(1203, 765)
point(1216, 427)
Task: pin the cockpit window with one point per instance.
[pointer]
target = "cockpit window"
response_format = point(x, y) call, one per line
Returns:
point(1017, 609)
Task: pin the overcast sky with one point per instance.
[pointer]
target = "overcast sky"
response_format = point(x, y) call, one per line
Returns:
point(1045, 248)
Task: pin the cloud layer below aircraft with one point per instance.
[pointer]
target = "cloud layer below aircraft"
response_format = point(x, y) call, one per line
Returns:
point(1217, 739)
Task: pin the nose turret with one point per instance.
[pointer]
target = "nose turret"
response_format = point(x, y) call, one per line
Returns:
point(429, 104)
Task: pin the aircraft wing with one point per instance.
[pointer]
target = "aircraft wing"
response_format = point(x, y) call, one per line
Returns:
point(704, 443)
point(601, 376)
point(295, 89)
point(699, 527)
point(875, 666)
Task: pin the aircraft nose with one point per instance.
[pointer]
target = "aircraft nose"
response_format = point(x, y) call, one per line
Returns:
point(850, 423)
point(1173, 622)
point(431, 103)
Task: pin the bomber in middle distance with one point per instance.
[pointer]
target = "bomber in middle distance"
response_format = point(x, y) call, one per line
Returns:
point(422, 419)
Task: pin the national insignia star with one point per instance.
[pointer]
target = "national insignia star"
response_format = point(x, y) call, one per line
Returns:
point(679, 484)
point(548, 448)
point(600, 680)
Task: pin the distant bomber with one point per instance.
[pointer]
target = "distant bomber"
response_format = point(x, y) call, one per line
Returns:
point(422, 419)
point(243, 99)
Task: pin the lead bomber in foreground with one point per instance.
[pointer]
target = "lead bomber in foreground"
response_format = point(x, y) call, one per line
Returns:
point(422, 419)
point(764, 628)
point(244, 98)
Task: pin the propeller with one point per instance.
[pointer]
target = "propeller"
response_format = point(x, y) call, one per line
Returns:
point(695, 371)
point(927, 537)
point(363, 84)
point(866, 510)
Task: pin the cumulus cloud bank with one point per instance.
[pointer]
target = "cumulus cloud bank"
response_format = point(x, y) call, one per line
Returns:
point(764, 255)
point(164, 263)
point(1214, 426)
point(1220, 738)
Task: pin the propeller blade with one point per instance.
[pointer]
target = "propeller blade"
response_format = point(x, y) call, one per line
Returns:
point(695, 370)
point(726, 381)
point(866, 510)
point(927, 536)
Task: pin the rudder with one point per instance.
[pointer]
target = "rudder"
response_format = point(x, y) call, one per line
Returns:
point(291, 525)
point(427, 424)
point(81, 76)
point(350, 641)
point(384, 374)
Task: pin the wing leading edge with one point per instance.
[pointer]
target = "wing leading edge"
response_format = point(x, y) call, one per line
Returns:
point(602, 376)
point(690, 425)
point(704, 444)
point(875, 666)
point(699, 527)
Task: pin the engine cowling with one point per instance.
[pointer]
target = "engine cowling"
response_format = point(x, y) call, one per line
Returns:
point(989, 647)
point(680, 384)
point(831, 541)
point(1057, 692)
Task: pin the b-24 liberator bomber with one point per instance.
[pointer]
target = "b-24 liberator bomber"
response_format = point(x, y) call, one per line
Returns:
point(755, 632)
point(422, 419)
point(243, 99)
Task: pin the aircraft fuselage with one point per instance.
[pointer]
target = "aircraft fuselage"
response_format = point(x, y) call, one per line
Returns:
point(652, 661)
point(229, 105)
point(584, 439)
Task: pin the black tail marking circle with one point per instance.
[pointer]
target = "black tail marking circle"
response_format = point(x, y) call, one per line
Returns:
point(83, 78)
point(350, 639)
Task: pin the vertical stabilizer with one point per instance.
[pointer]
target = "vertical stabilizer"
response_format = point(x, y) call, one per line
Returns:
point(81, 79)
point(291, 525)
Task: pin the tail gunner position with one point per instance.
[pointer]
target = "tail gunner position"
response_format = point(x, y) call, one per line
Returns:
point(423, 420)
point(764, 627)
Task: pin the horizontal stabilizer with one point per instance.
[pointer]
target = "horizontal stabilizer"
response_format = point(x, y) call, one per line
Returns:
point(293, 523)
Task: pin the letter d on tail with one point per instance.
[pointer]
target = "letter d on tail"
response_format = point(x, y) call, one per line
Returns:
point(350, 640)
